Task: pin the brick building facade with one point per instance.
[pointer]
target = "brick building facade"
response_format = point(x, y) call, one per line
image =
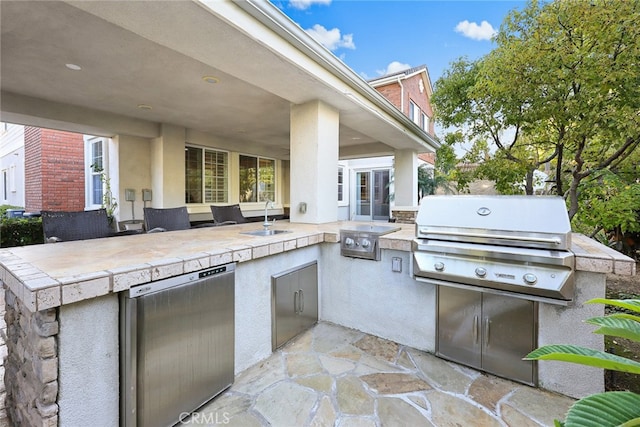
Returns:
point(54, 170)
point(411, 86)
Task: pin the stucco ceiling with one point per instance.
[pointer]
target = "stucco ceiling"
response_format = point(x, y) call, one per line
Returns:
point(156, 53)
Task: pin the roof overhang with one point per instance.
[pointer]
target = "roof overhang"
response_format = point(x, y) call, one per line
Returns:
point(158, 54)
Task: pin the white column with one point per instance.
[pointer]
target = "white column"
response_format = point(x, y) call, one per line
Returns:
point(167, 167)
point(314, 163)
point(405, 178)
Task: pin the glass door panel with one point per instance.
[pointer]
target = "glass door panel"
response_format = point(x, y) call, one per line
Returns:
point(372, 195)
point(363, 196)
point(381, 195)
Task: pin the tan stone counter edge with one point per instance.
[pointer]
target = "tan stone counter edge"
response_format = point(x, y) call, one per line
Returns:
point(38, 291)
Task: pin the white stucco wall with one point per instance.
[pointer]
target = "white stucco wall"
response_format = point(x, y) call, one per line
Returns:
point(88, 370)
point(560, 325)
point(366, 295)
point(167, 167)
point(314, 162)
point(134, 172)
point(253, 302)
point(406, 178)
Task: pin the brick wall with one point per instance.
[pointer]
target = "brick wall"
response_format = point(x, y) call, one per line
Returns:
point(54, 170)
point(392, 92)
point(32, 170)
point(412, 92)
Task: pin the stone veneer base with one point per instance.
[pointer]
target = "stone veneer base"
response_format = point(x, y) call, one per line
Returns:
point(31, 369)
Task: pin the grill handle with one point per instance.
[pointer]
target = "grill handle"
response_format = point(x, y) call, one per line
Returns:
point(555, 240)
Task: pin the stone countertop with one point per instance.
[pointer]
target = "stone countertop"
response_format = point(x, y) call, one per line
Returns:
point(50, 275)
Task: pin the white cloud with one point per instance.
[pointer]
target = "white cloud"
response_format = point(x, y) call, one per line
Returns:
point(484, 31)
point(305, 4)
point(331, 39)
point(394, 67)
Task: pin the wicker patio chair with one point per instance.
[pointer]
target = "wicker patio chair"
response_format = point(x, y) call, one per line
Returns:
point(225, 215)
point(64, 226)
point(168, 219)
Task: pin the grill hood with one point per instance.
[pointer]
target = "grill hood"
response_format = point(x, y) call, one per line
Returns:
point(525, 221)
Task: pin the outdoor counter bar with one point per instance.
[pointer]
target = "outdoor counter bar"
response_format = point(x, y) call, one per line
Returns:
point(63, 309)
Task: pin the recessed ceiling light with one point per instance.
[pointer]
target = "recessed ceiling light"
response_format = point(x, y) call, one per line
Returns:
point(73, 67)
point(145, 107)
point(210, 79)
point(355, 138)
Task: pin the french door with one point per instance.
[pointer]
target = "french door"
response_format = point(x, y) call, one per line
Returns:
point(372, 195)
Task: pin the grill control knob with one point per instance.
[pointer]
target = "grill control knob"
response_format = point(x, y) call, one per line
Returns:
point(530, 279)
point(348, 241)
point(366, 243)
point(481, 272)
point(439, 266)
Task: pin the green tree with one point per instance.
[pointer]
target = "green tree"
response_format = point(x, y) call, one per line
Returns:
point(441, 175)
point(562, 86)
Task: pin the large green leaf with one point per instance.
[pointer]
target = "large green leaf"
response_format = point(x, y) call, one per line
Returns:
point(629, 304)
point(616, 408)
point(617, 326)
point(625, 316)
point(584, 356)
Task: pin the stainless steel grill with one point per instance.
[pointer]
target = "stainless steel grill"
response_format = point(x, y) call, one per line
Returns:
point(516, 245)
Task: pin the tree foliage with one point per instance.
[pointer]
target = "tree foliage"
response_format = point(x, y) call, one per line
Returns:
point(430, 179)
point(562, 87)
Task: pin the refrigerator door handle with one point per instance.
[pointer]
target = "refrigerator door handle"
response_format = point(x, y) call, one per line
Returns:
point(475, 329)
point(487, 324)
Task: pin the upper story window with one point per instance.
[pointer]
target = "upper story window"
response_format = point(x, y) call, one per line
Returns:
point(257, 178)
point(206, 176)
point(414, 112)
point(425, 122)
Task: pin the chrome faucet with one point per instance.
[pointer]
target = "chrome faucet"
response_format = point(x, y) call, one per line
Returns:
point(267, 205)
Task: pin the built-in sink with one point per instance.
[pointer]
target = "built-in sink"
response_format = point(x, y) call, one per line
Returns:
point(265, 232)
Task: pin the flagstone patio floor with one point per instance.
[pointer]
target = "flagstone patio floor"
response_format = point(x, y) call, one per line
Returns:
point(334, 376)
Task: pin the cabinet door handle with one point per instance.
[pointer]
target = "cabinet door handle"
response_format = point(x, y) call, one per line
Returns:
point(295, 302)
point(301, 300)
point(487, 324)
point(475, 329)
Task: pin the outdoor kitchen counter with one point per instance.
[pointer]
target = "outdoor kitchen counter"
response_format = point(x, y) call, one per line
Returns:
point(50, 275)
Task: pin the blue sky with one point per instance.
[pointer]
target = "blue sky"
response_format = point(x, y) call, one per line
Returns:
point(375, 37)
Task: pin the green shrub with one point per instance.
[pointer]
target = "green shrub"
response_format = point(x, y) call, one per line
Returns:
point(20, 231)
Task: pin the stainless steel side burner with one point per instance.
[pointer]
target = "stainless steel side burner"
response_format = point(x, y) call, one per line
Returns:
point(362, 241)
